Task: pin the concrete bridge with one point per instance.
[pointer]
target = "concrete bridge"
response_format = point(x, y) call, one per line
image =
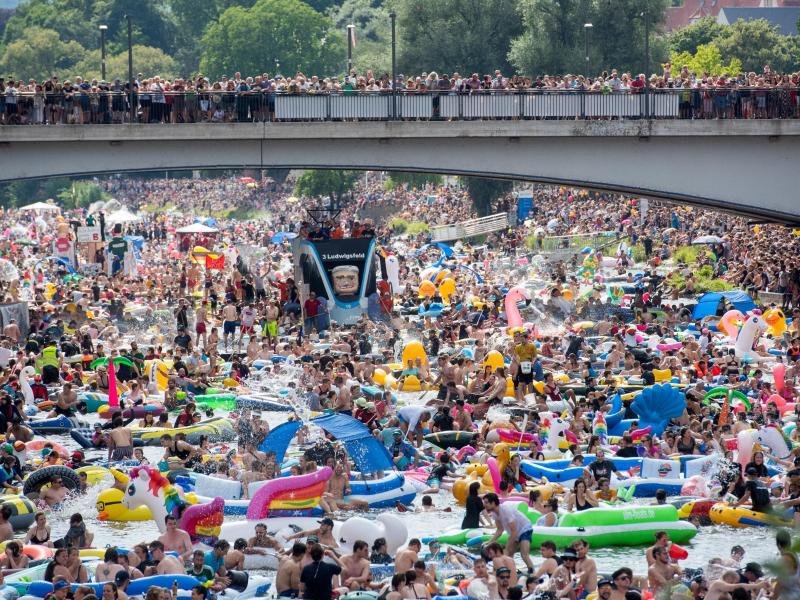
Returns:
point(743, 166)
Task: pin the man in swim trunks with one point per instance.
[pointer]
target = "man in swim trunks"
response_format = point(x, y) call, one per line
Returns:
point(271, 326)
point(230, 318)
point(517, 525)
point(337, 487)
point(525, 365)
point(355, 567)
point(120, 446)
point(56, 493)
point(287, 581)
point(201, 315)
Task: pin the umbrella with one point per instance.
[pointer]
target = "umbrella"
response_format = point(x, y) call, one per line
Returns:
point(197, 228)
point(707, 239)
point(41, 206)
point(118, 360)
point(282, 236)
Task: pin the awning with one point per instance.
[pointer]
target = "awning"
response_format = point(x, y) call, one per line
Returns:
point(368, 453)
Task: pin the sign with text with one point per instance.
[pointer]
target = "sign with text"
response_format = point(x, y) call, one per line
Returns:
point(89, 234)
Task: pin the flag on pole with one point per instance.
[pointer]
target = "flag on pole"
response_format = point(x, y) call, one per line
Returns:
point(113, 395)
point(215, 262)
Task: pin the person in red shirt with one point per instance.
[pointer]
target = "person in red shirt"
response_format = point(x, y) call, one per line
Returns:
point(310, 312)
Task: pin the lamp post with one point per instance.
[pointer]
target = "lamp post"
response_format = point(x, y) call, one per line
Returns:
point(586, 28)
point(393, 17)
point(103, 29)
point(350, 29)
point(131, 96)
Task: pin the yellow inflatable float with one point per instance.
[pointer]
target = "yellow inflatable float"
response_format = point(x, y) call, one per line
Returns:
point(413, 351)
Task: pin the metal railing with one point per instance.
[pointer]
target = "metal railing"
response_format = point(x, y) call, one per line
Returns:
point(224, 106)
point(470, 228)
point(568, 243)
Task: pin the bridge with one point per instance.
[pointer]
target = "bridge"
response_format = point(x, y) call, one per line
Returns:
point(743, 166)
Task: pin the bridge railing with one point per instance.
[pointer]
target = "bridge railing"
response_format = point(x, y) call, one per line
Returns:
point(470, 228)
point(225, 106)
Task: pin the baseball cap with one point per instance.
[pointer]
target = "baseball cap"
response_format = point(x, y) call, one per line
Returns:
point(569, 553)
point(46, 452)
point(326, 521)
point(121, 577)
point(397, 432)
point(7, 448)
point(752, 471)
point(604, 581)
point(503, 571)
point(312, 539)
point(60, 584)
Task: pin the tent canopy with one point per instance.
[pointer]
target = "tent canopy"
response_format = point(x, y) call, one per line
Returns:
point(41, 206)
point(367, 452)
point(123, 215)
point(708, 304)
point(197, 228)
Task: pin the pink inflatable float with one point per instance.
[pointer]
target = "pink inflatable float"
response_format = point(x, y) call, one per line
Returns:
point(514, 295)
point(301, 487)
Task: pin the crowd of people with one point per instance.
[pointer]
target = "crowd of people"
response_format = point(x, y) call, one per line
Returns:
point(251, 311)
point(75, 100)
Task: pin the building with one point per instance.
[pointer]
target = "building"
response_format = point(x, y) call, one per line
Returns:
point(784, 18)
point(691, 10)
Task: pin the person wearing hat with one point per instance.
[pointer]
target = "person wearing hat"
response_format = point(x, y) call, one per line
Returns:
point(605, 587)
point(401, 451)
point(623, 581)
point(323, 533)
point(60, 588)
point(564, 576)
point(755, 492)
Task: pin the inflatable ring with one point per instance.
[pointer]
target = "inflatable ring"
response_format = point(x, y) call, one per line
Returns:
point(32, 551)
point(22, 511)
point(41, 477)
point(722, 392)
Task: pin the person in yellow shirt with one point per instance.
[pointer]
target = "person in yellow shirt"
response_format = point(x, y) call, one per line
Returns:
point(525, 365)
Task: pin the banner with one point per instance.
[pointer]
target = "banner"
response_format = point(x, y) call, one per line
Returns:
point(17, 311)
point(87, 235)
point(63, 247)
point(344, 267)
point(215, 262)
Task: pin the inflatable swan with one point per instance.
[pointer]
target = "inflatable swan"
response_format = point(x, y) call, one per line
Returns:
point(24, 384)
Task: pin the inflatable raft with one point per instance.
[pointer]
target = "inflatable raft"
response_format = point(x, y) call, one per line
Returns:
point(723, 513)
point(452, 439)
point(217, 430)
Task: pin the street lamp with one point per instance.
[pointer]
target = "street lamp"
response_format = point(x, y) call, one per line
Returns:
point(586, 28)
point(393, 17)
point(103, 29)
point(350, 31)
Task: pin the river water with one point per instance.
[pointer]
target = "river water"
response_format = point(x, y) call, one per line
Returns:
point(714, 541)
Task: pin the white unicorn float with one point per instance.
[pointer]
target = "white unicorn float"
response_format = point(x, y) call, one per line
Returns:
point(744, 332)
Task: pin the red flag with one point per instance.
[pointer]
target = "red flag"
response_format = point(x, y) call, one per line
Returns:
point(215, 262)
point(113, 395)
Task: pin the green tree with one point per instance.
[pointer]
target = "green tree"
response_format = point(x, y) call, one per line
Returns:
point(456, 35)
point(757, 43)
point(40, 53)
point(707, 59)
point(81, 193)
point(372, 33)
point(289, 31)
point(484, 190)
point(147, 60)
point(554, 35)
point(330, 183)
point(688, 39)
point(414, 180)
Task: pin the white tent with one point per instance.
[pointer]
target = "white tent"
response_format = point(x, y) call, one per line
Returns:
point(41, 206)
point(197, 228)
point(123, 215)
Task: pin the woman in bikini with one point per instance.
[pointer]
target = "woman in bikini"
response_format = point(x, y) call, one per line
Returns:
point(39, 531)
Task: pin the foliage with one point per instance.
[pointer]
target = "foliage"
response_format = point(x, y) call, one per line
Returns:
point(456, 35)
point(483, 191)
point(81, 193)
point(707, 59)
point(79, 21)
point(757, 43)
point(40, 53)
point(146, 59)
point(554, 35)
point(414, 180)
point(289, 31)
point(688, 39)
point(19, 193)
point(689, 255)
point(333, 184)
point(400, 226)
point(372, 30)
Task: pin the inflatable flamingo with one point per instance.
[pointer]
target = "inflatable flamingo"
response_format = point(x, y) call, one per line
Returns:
point(730, 323)
point(514, 295)
point(779, 375)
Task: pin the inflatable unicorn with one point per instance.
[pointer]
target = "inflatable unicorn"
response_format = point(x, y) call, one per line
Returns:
point(558, 435)
point(148, 487)
point(770, 436)
point(599, 427)
point(744, 332)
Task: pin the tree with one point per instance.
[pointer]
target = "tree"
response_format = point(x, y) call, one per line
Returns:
point(553, 38)
point(372, 34)
point(707, 59)
point(456, 35)
point(147, 60)
point(757, 43)
point(81, 193)
point(333, 184)
point(289, 31)
point(689, 38)
point(484, 190)
point(40, 53)
point(414, 180)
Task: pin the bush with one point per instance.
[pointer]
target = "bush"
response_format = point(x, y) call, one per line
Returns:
point(400, 226)
point(688, 255)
